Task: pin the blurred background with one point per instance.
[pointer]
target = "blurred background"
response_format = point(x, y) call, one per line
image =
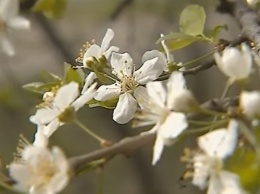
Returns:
point(49, 43)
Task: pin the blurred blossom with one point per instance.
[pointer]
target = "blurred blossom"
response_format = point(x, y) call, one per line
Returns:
point(235, 63)
point(10, 20)
point(160, 108)
point(208, 165)
point(250, 103)
point(61, 109)
point(40, 170)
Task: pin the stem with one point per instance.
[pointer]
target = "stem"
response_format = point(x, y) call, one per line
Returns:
point(91, 133)
point(198, 59)
point(224, 93)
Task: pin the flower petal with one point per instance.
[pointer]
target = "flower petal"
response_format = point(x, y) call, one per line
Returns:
point(169, 56)
point(6, 45)
point(150, 71)
point(157, 92)
point(66, 95)
point(88, 81)
point(234, 63)
point(8, 9)
point(39, 138)
point(19, 23)
point(174, 124)
point(157, 149)
point(107, 39)
point(49, 129)
point(109, 51)
point(221, 142)
point(175, 85)
point(107, 92)
point(85, 97)
point(44, 116)
point(125, 108)
point(250, 103)
point(122, 64)
point(93, 51)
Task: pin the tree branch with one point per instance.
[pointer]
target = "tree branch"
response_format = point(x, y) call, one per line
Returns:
point(130, 144)
point(248, 19)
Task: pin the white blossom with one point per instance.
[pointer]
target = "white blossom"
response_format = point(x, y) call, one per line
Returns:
point(10, 20)
point(127, 84)
point(250, 103)
point(95, 52)
point(235, 63)
point(160, 108)
point(208, 165)
point(66, 101)
point(40, 170)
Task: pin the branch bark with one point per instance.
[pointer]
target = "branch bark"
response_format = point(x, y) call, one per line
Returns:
point(247, 17)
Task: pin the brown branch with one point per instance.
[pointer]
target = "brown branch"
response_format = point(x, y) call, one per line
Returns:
point(130, 144)
point(247, 17)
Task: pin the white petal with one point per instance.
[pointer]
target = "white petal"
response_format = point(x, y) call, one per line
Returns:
point(109, 51)
point(122, 64)
point(88, 81)
point(19, 23)
point(148, 55)
point(49, 129)
point(142, 97)
point(221, 142)
point(66, 95)
point(8, 9)
point(125, 108)
point(39, 138)
point(107, 39)
point(85, 97)
point(44, 116)
point(20, 173)
point(201, 171)
point(7, 46)
point(157, 92)
point(231, 183)
point(107, 92)
point(93, 51)
point(234, 63)
point(250, 103)
point(173, 126)
point(150, 71)
point(215, 185)
point(175, 85)
point(157, 149)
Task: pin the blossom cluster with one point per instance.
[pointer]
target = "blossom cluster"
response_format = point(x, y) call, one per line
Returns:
point(138, 95)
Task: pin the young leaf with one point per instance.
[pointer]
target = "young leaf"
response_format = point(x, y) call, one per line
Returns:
point(216, 30)
point(192, 20)
point(73, 75)
point(51, 8)
point(180, 40)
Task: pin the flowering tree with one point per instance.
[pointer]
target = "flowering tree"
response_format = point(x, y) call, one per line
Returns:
point(154, 95)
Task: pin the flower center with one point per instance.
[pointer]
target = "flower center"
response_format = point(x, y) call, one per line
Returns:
point(44, 171)
point(216, 164)
point(128, 84)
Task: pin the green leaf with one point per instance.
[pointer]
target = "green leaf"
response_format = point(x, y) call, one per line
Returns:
point(109, 104)
point(73, 75)
point(192, 20)
point(180, 40)
point(50, 77)
point(216, 30)
point(51, 8)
